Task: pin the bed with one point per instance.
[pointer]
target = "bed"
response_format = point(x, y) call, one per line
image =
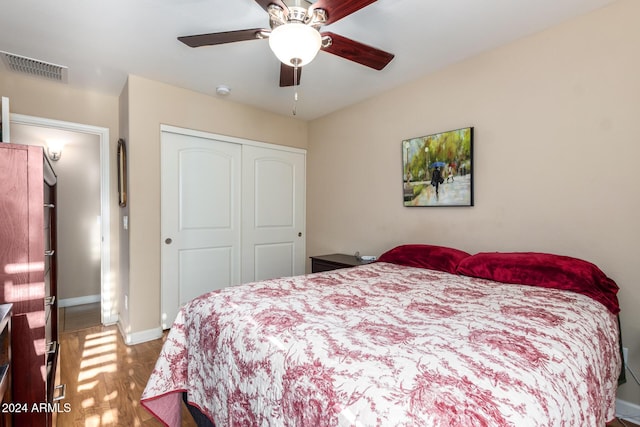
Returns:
point(427, 336)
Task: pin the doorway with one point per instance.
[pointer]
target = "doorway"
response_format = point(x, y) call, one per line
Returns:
point(101, 236)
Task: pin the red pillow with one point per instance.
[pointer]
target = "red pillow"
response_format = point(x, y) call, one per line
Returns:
point(545, 270)
point(425, 256)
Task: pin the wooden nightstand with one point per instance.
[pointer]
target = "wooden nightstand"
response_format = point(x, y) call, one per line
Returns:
point(334, 262)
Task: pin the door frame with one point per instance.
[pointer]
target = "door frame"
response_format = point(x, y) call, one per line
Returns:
point(107, 292)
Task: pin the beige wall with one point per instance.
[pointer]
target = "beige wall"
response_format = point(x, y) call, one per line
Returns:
point(556, 157)
point(78, 172)
point(151, 104)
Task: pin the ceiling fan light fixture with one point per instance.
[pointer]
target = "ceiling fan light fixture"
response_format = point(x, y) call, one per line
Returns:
point(295, 44)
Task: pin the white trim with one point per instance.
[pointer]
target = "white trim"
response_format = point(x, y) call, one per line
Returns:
point(108, 304)
point(70, 302)
point(140, 337)
point(6, 134)
point(227, 138)
point(627, 411)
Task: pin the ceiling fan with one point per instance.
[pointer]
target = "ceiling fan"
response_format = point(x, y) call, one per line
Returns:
point(295, 37)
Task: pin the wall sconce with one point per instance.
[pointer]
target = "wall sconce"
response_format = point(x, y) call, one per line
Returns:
point(54, 149)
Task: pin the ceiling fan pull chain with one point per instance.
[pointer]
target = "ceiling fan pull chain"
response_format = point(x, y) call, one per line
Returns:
point(295, 101)
point(295, 88)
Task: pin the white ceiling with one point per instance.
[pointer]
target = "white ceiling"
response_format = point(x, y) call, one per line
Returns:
point(103, 41)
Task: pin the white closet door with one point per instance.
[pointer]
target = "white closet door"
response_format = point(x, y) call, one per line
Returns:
point(273, 210)
point(201, 227)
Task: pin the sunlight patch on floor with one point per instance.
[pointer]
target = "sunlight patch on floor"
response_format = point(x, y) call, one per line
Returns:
point(99, 357)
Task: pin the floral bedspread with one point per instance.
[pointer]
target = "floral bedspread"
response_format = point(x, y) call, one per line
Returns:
point(385, 345)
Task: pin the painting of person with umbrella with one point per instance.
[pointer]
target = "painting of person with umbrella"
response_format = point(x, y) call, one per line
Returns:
point(436, 175)
point(441, 161)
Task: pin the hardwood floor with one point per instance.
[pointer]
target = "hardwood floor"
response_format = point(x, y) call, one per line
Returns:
point(105, 378)
point(78, 317)
point(621, 423)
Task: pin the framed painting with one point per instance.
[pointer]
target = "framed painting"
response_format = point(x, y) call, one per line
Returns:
point(437, 170)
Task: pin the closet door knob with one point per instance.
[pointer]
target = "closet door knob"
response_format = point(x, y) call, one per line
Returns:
point(168, 240)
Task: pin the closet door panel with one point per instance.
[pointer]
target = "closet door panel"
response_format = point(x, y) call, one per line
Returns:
point(274, 192)
point(274, 260)
point(202, 270)
point(200, 193)
point(273, 223)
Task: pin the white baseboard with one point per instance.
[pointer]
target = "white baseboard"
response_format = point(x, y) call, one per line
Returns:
point(627, 411)
point(133, 338)
point(69, 302)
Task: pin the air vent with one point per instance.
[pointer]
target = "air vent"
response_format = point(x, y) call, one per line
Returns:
point(34, 67)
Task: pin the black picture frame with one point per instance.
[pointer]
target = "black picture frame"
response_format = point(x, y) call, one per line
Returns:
point(437, 169)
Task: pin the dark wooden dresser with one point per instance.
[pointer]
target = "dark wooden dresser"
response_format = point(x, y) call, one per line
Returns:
point(5, 362)
point(28, 278)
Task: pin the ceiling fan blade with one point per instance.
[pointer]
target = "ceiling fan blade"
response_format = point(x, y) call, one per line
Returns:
point(337, 9)
point(357, 52)
point(286, 75)
point(223, 37)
